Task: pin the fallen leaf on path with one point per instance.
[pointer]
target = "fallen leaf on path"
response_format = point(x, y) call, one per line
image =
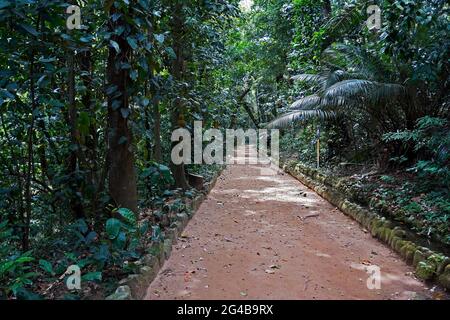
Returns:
point(366, 262)
point(188, 275)
point(439, 296)
point(244, 294)
point(323, 255)
point(270, 271)
point(313, 215)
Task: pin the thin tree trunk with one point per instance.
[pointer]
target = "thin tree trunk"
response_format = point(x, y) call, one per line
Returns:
point(327, 8)
point(29, 172)
point(157, 154)
point(75, 202)
point(327, 11)
point(122, 176)
point(178, 66)
point(92, 140)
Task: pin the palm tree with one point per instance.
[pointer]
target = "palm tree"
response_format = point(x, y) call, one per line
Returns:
point(359, 87)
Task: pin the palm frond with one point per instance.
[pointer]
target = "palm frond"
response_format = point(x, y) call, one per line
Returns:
point(349, 88)
point(308, 102)
point(362, 63)
point(335, 77)
point(346, 21)
point(311, 78)
point(372, 92)
point(300, 115)
point(336, 102)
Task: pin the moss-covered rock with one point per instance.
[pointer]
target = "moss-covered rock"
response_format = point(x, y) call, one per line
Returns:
point(425, 271)
point(171, 234)
point(398, 245)
point(167, 248)
point(394, 241)
point(399, 232)
point(407, 251)
point(388, 224)
point(376, 224)
point(366, 219)
point(360, 217)
point(441, 267)
point(122, 293)
point(382, 233)
point(396, 234)
point(345, 205)
point(146, 271)
point(419, 256)
point(157, 250)
point(444, 277)
point(387, 234)
point(151, 261)
point(436, 259)
point(183, 218)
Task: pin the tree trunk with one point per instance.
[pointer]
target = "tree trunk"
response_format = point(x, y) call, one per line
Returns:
point(157, 154)
point(121, 171)
point(178, 66)
point(92, 140)
point(327, 11)
point(76, 205)
point(26, 219)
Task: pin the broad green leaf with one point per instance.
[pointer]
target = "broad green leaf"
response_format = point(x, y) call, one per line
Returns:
point(171, 53)
point(46, 266)
point(92, 276)
point(132, 42)
point(30, 29)
point(121, 240)
point(125, 112)
point(115, 45)
point(160, 38)
point(4, 4)
point(113, 228)
point(128, 215)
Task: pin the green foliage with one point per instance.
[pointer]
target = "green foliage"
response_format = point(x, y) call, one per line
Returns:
point(113, 228)
point(282, 63)
point(46, 266)
point(159, 176)
point(431, 140)
point(15, 267)
point(56, 128)
point(387, 179)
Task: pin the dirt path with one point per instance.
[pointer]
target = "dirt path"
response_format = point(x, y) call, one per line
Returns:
point(269, 237)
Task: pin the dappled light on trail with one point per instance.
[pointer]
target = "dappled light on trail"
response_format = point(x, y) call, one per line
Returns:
point(269, 237)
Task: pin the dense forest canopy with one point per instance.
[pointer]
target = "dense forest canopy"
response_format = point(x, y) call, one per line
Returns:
point(86, 115)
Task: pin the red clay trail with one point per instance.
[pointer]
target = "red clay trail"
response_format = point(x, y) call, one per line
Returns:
point(269, 237)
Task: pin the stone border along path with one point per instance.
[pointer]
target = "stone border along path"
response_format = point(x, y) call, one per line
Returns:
point(429, 265)
point(135, 285)
point(270, 237)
